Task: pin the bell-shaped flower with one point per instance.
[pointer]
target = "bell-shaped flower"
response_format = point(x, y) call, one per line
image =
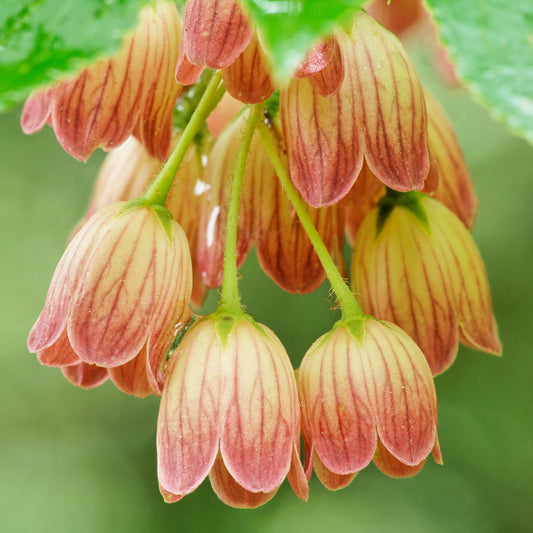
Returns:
point(378, 113)
point(122, 285)
point(366, 392)
point(134, 91)
point(229, 409)
point(215, 33)
point(416, 264)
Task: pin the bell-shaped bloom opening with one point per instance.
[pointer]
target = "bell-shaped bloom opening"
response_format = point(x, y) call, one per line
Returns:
point(124, 279)
point(229, 408)
point(215, 33)
point(284, 250)
point(361, 381)
point(213, 206)
point(85, 375)
point(134, 91)
point(419, 268)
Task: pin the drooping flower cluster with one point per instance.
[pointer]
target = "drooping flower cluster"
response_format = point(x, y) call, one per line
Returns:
point(374, 159)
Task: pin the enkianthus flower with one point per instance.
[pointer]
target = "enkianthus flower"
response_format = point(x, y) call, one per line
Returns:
point(117, 296)
point(134, 91)
point(416, 264)
point(377, 114)
point(454, 186)
point(367, 393)
point(229, 409)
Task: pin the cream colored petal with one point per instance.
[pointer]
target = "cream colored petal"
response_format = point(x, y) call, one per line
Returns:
point(189, 423)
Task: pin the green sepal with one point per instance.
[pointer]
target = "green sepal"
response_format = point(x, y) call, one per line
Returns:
point(354, 326)
point(162, 214)
point(412, 201)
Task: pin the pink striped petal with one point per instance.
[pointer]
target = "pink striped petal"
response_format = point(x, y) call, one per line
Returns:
point(231, 493)
point(37, 110)
point(324, 67)
point(284, 250)
point(260, 403)
point(248, 77)
point(154, 126)
point(390, 103)
point(131, 377)
point(215, 32)
point(456, 189)
point(189, 423)
point(402, 277)
point(391, 466)
point(52, 320)
point(329, 479)
point(59, 354)
point(405, 396)
point(309, 120)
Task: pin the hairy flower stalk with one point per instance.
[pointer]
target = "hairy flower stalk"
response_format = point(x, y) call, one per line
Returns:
point(230, 406)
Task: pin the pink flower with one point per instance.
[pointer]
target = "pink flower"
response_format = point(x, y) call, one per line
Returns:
point(365, 387)
point(121, 287)
point(134, 91)
point(229, 409)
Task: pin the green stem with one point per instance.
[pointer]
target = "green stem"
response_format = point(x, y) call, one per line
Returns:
point(229, 296)
point(158, 191)
point(347, 302)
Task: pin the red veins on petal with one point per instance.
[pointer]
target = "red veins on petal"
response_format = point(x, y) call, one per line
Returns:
point(215, 33)
point(231, 493)
point(390, 103)
point(456, 189)
point(190, 417)
point(248, 77)
point(322, 141)
point(352, 391)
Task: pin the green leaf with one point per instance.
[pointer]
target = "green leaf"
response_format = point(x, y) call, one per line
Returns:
point(44, 40)
point(290, 27)
point(491, 45)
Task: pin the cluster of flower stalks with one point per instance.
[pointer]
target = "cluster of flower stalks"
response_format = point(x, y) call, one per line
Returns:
point(350, 147)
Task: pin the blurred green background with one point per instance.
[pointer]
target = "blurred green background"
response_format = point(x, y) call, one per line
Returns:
point(84, 461)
